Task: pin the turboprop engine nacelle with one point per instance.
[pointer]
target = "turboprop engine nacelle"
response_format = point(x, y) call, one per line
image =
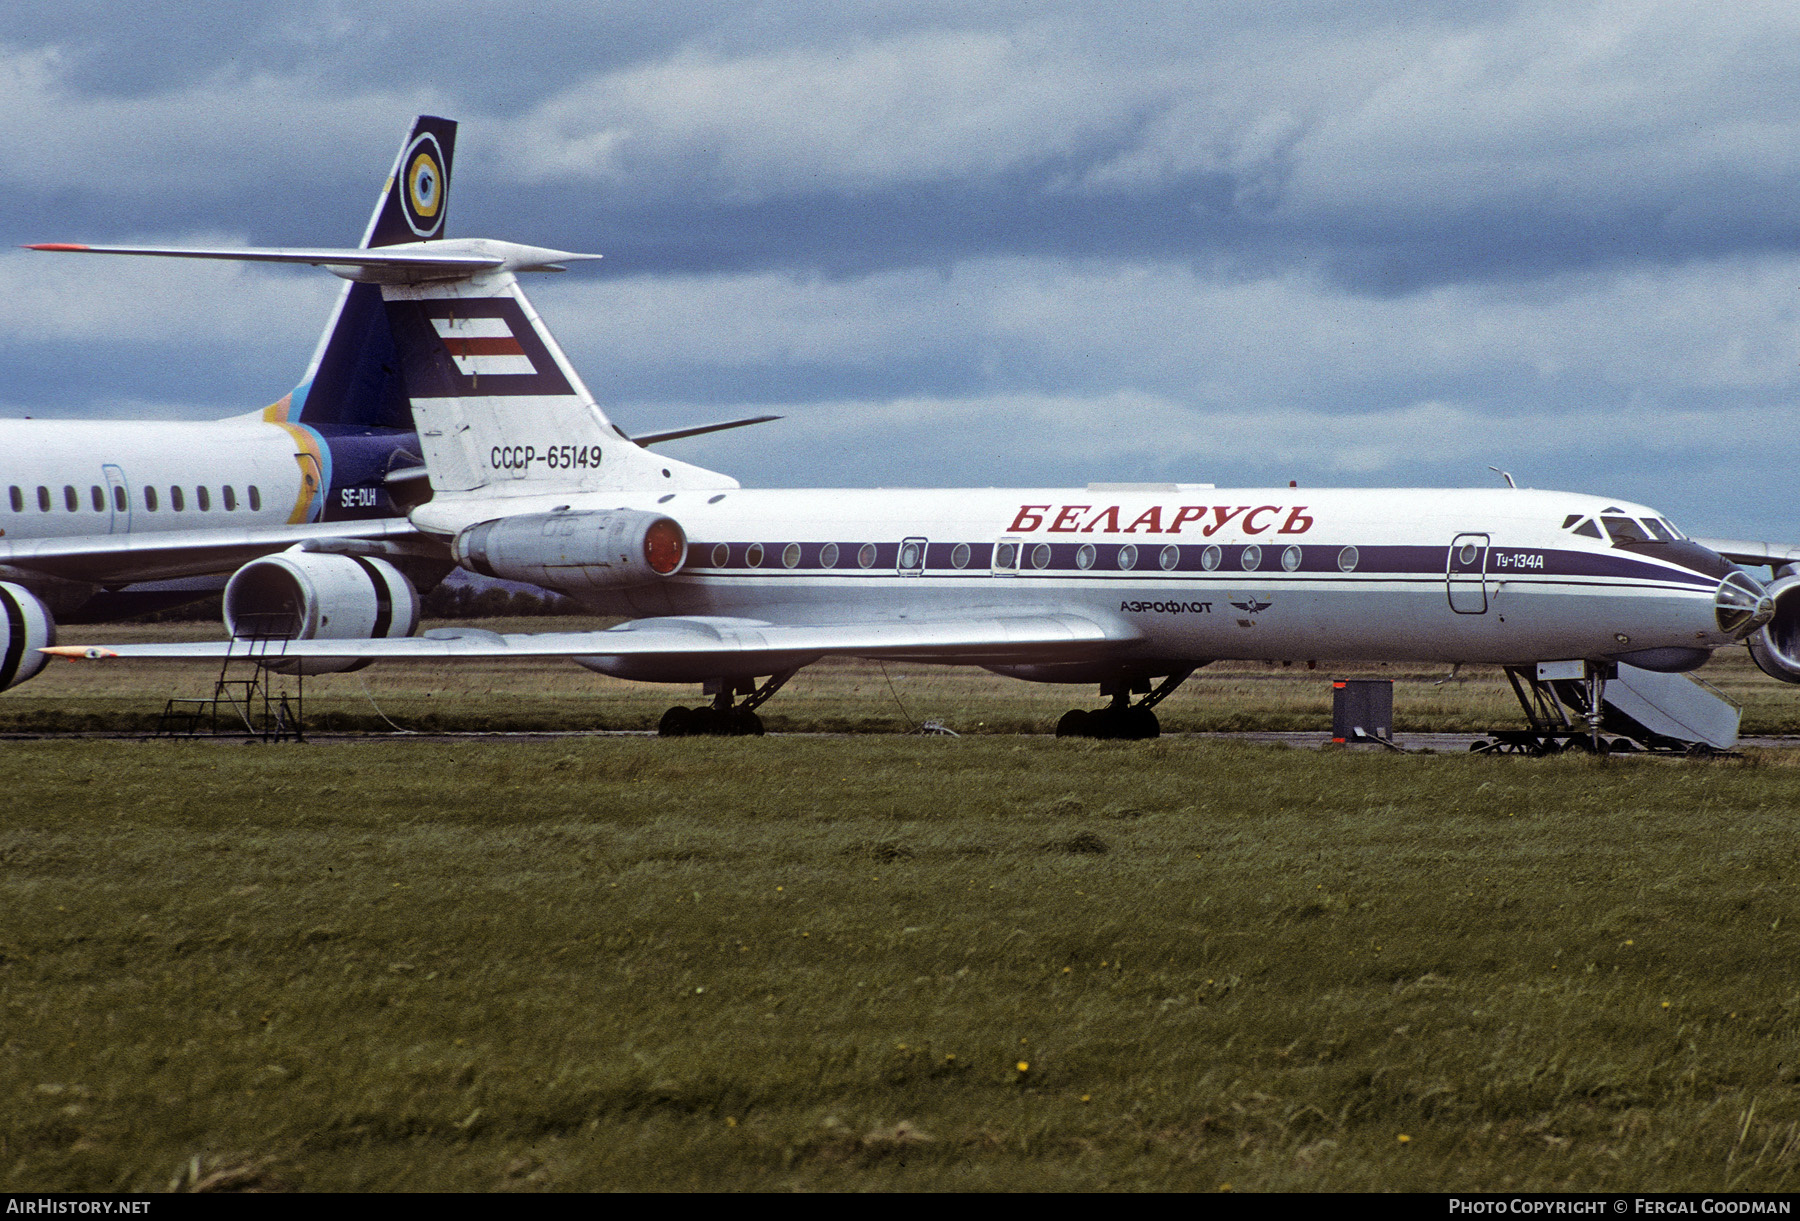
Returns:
point(27, 627)
point(575, 553)
point(315, 595)
point(1775, 646)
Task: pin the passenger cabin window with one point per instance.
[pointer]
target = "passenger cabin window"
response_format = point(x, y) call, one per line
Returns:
point(175, 501)
point(43, 498)
point(202, 499)
point(17, 498)
point(99, 499)
point(71, 497)
point(255, 499)
point(150, 499)
point(119, 501)
point(230, 498)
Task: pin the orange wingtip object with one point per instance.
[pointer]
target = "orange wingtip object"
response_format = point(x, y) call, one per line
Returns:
point(79, 652)
point(57, 246)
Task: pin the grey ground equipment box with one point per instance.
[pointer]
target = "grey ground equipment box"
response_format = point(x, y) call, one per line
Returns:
point(1362, 709)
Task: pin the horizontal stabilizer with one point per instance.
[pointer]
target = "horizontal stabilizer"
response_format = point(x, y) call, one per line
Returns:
point(675, 434)
point(1753, 554)
point(997, 638)
point(411, 263)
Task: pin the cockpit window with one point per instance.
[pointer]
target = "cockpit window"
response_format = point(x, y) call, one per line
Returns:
point(1625, 530)
point(1659, 529)
point(1589, 529)
point(1570, 520)
point(1671, 527)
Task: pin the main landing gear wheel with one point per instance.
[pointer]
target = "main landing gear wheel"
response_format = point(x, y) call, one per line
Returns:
point(723, 718)
point(1122, 720)
point(707, 721)
point(1074, 724)
point(1128, 723)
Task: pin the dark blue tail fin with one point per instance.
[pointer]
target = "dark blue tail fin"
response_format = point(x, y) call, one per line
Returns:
point(417, 196)
point(354, 379)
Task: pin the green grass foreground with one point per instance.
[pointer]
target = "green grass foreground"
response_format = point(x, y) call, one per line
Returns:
point(891, 963)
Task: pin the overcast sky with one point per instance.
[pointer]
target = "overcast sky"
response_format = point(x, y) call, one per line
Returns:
point(1356, 243)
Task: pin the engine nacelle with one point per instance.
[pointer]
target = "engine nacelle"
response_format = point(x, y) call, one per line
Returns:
point(575, 553)
point(315, 595)
point(27, 627)
point(1775, 647)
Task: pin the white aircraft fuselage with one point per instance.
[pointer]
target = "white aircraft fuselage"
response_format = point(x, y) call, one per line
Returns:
point(90, 500)
point(74, 478)
point(1188, 573)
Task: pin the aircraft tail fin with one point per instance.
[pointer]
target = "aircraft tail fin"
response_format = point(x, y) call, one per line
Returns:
point(417, 197)
point(353, 379)
point(499, 408)
point(434, 333)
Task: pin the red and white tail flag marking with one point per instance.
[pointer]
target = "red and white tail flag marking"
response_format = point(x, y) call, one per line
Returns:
point(483, 347)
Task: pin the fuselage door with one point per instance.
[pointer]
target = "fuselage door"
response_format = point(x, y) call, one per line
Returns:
point(911, 560)
point(118, 500)
point(1465, 574)
point(312, 488)
point(1006, 557)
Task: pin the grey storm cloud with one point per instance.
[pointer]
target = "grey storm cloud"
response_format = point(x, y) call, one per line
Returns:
point(1005, 242)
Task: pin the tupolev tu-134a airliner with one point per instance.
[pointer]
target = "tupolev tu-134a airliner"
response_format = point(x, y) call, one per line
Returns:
point(1130, 587)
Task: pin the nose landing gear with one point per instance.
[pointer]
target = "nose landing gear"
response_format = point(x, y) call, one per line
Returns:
point(723, 718)
point(1122, 719)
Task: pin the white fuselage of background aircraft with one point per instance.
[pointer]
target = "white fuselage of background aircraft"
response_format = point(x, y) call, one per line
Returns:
point(71, 478)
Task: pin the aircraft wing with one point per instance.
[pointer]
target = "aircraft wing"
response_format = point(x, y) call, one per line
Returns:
point(972, 639)
point(1753, 554)
point(111, 559)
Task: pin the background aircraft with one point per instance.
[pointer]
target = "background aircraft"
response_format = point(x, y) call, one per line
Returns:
point(1127, 586)
point(101, 520)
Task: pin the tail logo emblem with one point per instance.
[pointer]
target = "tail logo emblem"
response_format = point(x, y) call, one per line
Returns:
point(483, 347)
point(422, 199)
point(479, 347)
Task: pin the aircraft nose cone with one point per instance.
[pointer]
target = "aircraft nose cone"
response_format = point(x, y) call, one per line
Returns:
point(1741, 605)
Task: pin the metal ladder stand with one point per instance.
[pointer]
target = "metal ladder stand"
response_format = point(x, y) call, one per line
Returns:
point(250, 703)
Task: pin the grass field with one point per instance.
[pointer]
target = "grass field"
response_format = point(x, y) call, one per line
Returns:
point(840, 696)
point(870, 962)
